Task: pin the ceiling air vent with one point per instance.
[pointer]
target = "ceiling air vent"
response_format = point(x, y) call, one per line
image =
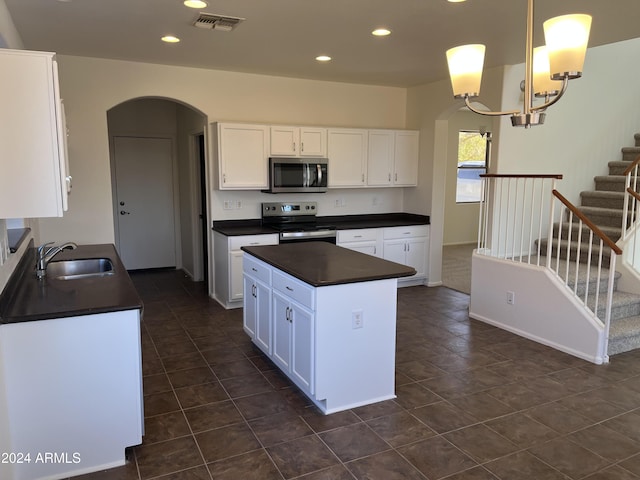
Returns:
point(217, 22)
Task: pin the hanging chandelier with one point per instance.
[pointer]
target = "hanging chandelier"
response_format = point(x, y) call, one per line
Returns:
point(560, 60)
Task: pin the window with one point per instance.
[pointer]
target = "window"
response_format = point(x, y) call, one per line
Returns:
point(473, 158)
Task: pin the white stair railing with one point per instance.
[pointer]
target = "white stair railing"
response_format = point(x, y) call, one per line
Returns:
point(524, 219)
point(630, 237)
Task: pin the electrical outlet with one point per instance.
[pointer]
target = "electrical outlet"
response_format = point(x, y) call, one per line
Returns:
point(339, 203)
point(356, 319)
point(239, 204)
point(511, 298)
point(228, 205)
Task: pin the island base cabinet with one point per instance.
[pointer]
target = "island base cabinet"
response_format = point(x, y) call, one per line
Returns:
point(75, 405)
point(355, 365)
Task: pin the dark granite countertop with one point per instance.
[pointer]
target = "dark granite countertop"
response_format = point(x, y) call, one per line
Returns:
point(321, 264)
point(342, 222)
point(26, 298)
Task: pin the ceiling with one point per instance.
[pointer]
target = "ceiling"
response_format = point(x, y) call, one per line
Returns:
point(283, 37)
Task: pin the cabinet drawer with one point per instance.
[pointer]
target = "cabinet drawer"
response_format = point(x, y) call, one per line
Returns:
point(406, 232)
point(251, 240)
point(359, 235)
point(256, 269)
point(294, 289)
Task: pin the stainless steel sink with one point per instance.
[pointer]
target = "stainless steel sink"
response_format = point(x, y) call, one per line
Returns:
point(75, 269)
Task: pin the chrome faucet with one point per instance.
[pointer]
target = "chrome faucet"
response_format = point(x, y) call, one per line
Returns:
point(46, 253)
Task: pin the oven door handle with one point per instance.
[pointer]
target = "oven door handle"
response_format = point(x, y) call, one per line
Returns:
point(319, 167)
point(313, 234)
point(305, 175)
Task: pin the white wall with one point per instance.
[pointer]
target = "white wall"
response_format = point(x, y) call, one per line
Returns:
point(90, 87)
point(586, 129)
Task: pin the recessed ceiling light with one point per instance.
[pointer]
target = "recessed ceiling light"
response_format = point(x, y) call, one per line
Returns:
point(323, 58)
point(194, 3)
point(381, 32)
point(170, 39)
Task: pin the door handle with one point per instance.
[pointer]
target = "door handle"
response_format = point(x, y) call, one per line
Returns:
point(122, 212)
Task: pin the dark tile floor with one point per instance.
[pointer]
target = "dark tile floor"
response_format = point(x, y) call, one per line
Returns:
point(473, 403)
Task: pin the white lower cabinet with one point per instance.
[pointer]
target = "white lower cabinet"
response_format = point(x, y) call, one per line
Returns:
point(257, 305)
point(365, 240)
point(73, 386)
point(228, 264)
point(408, 246)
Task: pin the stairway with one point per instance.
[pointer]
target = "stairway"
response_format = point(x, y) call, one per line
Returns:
point(604, 206)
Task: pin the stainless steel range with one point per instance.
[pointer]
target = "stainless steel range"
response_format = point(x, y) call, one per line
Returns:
point(297, 222)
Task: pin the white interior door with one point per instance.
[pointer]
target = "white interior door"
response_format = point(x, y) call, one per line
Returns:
point(145, 211)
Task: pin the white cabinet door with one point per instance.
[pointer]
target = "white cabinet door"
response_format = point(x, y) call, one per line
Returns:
point(285, 141)
point(303, 343)
point(243, 155)
point(380, 167)
point(416, 255)
point(235, 275)
point(250, 310)
point(406, 158)
point(347, 152)
point(313, 142)
point(281, 331)
point(395, 251)
point(33, 182)
point(263, 316)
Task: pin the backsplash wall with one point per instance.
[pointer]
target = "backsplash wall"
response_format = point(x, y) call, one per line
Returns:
point(247, 204)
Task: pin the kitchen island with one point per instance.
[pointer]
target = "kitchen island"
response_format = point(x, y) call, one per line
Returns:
point(326, 316)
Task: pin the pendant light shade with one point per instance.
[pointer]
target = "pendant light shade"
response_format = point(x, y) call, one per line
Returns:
point(543, 85)
point(566, 38)
point(465, 69)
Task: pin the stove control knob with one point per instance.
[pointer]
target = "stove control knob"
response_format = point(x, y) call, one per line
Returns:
point(313, 207)
point(307, 207)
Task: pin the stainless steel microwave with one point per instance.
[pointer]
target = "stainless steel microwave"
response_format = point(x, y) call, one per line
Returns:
point(295, 175)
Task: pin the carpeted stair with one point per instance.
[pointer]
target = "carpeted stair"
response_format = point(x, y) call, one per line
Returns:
point(604, 207)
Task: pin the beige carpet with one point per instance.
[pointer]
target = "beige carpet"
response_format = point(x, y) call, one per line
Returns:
point(456, 266)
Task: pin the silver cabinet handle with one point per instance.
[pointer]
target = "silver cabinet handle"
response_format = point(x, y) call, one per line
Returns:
point(389, 177)
point(302, 146)
point(254, 269)
point(363, 178)
point(396, 177)
point(289, 288)
point(294, 146)
point(357, 236)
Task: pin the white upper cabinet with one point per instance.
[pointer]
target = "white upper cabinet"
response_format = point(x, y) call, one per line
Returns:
point(406, 158)
point(347, 152)
point(393, 158)
point(298, 141)
point(34, 181)
point(380, 158)
point(242, 152)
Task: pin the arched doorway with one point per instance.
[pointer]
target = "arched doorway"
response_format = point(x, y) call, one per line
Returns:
point(158, 183)
point(445, 152)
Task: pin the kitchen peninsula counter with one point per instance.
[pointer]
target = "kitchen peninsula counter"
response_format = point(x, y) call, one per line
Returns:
point(326, 316)
point(71, 381)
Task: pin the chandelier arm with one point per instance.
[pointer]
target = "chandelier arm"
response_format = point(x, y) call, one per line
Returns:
point(485, 112)
point(541, 108)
